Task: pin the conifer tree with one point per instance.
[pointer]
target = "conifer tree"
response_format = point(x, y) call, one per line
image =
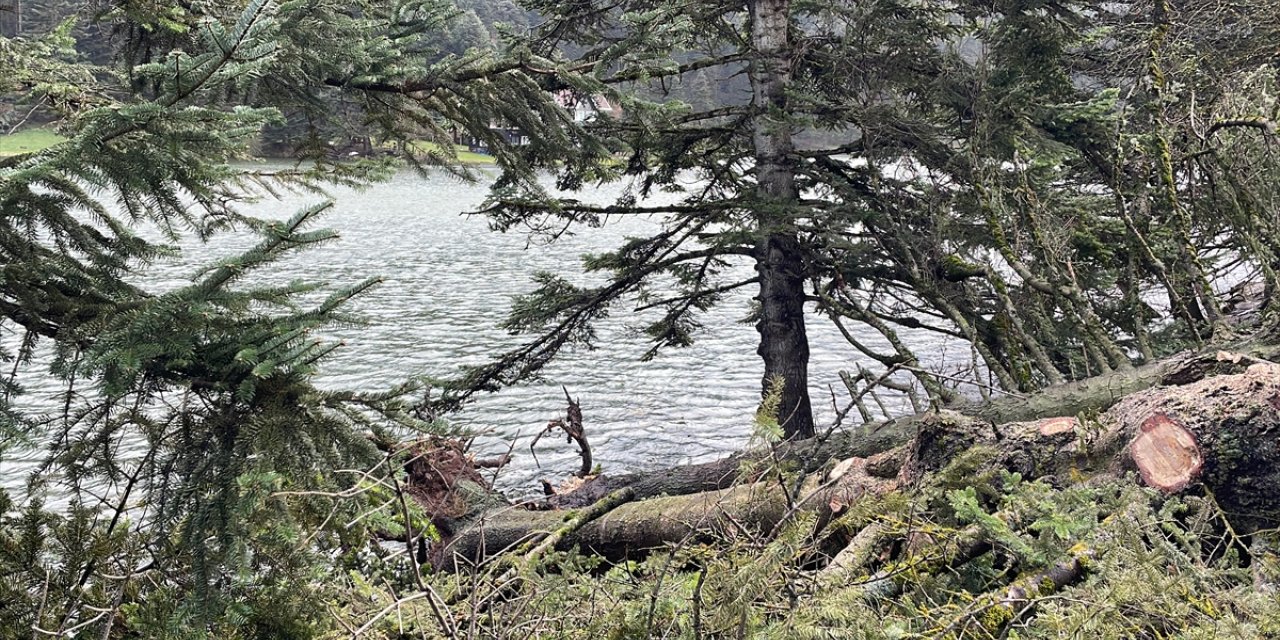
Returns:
point(1006, 175)
point(812, 67)
point(209, 482)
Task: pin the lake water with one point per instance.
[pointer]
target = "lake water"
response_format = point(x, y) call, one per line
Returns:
point(449, 282)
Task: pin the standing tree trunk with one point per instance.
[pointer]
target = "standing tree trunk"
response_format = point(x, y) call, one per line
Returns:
point(784, 346)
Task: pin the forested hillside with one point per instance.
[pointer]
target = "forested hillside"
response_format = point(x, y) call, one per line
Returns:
point(1082, 195)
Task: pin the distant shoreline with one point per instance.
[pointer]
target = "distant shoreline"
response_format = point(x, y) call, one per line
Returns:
point(38, 139)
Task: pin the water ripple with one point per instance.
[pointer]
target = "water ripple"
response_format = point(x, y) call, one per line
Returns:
point(449, 282)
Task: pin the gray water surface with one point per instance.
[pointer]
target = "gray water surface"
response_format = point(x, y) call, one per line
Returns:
point(448, 284)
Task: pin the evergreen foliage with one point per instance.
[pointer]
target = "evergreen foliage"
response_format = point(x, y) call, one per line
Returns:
point(1067, 188)
point(202, 484)
point(1149, 566)
point(1063, 187)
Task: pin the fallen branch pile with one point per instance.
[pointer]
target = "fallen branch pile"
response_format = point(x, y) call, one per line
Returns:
point(995, 517)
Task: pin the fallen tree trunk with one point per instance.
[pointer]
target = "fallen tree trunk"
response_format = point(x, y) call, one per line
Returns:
point(1085, 396)
point(1220, 434)
point(630, 530)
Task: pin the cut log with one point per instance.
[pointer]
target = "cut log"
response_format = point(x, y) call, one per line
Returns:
point(1221, 433)
point(1166, 454)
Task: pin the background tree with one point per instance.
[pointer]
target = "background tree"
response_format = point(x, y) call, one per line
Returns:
point(1054, 216)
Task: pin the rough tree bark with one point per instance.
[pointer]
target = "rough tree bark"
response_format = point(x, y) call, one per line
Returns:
point(784, 345)
point(1219, 434)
